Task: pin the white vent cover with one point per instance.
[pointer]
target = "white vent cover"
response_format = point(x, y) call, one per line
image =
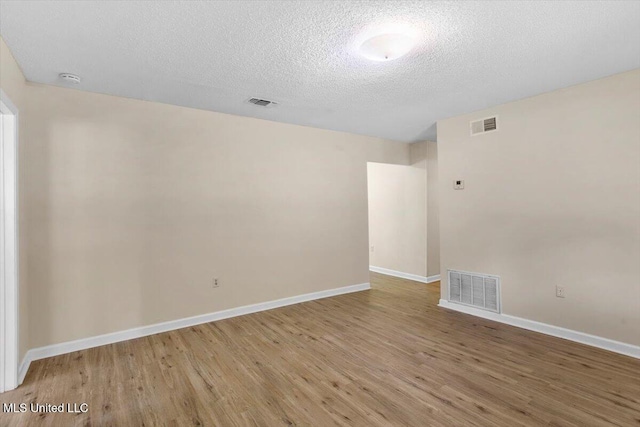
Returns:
point(262, 102)
point(475, 289)
point(69, 78)
point(490, 124)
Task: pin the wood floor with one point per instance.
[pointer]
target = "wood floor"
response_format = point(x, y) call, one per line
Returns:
point(385, 357)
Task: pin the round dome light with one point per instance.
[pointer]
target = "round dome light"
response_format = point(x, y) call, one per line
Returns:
point(387, 47)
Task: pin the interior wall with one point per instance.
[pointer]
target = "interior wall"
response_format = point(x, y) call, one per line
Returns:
point(551, 198)
point(398, 218)
point(424, 155)
point(13, 84)
point(134, 207)
point(418, 153)
point(433, 211)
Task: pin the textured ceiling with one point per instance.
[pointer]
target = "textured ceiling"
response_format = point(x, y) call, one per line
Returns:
point(216, 55)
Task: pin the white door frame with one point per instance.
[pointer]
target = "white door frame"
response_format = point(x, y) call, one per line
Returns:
point(8, 244)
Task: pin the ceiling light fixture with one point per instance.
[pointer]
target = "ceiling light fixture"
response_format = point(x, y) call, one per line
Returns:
point(387, 47)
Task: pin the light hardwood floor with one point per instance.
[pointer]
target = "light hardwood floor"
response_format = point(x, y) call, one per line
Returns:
point(383, 357)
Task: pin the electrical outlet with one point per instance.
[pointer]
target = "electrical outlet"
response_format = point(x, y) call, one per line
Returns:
point(215, 282)
point(458, 184)
point(560, 291)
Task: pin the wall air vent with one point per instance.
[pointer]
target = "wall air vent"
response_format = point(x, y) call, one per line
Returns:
point(262, 102)
point(490, 124)
point(475, 289)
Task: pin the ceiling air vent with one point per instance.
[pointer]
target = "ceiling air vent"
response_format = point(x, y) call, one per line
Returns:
point(262, 102)
point(475, 289)
point(489, 124)
point(69, 78)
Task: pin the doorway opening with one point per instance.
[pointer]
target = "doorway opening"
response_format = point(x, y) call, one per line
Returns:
point(397, 197)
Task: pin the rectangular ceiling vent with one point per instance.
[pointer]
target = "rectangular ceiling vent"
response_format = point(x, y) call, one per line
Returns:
point(490, 124)
point(262, 102)
point(475, 289)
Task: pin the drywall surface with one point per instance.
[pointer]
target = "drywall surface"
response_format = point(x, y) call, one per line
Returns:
point(433, 213)
point(398, 218)
point(551, 198)
point(135, 207)
point(13, 85)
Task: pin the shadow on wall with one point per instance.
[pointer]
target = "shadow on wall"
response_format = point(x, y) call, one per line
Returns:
point(429, 134)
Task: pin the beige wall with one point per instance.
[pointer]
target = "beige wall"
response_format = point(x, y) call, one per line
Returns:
point(13, 84)
point(433, 213)
point(425, 155)
point(551, 198)
point(133, 207)
point(398, 218)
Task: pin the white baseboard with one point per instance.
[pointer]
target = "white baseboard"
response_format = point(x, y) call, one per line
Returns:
point(544, 328)
point(143, 331)
point(402, 275)
point(23, 368)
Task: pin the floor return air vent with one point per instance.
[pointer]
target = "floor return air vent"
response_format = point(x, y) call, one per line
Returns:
point(475, 290)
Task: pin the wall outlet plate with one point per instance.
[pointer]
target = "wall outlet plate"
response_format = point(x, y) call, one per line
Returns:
point(560, 291)
point(458, 184)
